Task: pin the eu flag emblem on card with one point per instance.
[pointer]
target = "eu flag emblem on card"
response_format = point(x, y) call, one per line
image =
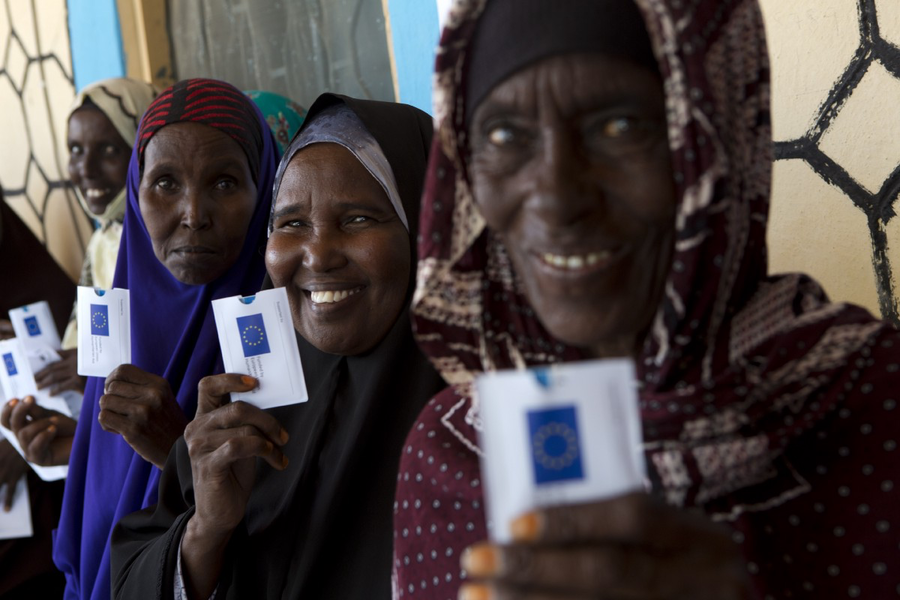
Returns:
point(254, 340)
point(31, 323)
point(555, 445)
point(10, 364)
point(99, 319)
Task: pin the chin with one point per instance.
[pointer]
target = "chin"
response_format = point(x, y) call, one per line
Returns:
point(192, 277)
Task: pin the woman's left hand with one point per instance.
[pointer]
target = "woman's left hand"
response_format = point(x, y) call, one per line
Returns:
point(141, 408)
point(629, 547)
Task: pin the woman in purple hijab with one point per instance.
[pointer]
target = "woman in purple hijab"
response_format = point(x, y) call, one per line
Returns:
point(199, 194)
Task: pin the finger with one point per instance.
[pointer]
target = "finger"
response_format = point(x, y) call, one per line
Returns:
point(614, 569)
point(39, 446)
point(26, 434)
point(10, 494)
point(213, 391)
point(118, 404)
point(634, 518)
point(113, 422)
point(22, 413)
point(6, 413)
point(241, 447)
point(66, 425)
point(236, 415)
point(134, 375)
point(70, 383)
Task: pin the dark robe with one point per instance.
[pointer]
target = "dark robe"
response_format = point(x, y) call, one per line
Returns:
point(321, 528)
point(29, 274)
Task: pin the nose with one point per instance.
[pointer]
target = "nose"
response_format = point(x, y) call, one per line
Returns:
point(323, 251)
point(196, 210)
point(89, 165)
point(562, 193)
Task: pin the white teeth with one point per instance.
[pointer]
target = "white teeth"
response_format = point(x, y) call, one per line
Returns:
point(575, 262)
point(95, 193)
point(330, 297)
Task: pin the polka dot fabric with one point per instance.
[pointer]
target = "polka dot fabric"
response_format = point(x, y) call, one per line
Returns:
point(763, 404)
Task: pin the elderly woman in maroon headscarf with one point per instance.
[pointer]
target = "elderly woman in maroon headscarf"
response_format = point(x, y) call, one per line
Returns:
point(599, 187)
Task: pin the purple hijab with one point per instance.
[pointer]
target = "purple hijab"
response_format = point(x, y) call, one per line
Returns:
point(173, 335)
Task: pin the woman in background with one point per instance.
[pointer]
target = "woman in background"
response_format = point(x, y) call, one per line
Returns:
point(102, 124)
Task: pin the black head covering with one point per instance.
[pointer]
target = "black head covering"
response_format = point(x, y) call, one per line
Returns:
point(518, 33)
point(323, 527)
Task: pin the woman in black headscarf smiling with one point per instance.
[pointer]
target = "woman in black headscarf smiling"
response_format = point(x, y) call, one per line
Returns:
point(316, 520)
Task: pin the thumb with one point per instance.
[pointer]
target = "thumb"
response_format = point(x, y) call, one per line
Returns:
point(214, 391)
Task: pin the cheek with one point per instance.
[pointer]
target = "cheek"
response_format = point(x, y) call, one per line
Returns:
point(490, 193)
point(237, 220)
point(281, 259)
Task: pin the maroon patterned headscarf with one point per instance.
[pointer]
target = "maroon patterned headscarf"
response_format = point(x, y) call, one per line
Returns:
point(737, 364)
point(209, 102)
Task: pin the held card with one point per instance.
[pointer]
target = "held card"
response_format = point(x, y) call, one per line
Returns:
point(258, 339)
point(558, 435)
point(34, 325)
point(104, 330)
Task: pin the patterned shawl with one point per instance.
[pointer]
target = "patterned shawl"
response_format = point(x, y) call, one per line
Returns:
point(737, 364)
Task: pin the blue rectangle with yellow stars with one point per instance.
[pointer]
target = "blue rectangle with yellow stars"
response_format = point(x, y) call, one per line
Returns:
point(10, 364)
point(555, 445)
point(254, 340)
point(99, 319)
point(31, 323)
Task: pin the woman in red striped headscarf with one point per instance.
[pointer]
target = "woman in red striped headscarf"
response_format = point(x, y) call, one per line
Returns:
point(199, 195)
point(599, 186)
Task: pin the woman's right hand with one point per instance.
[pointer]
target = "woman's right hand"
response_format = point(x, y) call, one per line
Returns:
point(61, 375)
point(45, 436)
point(223, 442)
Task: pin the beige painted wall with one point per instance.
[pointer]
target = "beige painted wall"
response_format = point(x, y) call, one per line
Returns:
point(35, 92)
point(815, 227)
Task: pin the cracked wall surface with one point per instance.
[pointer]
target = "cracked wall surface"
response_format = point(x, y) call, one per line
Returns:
point(36, 89)
point(835, 86)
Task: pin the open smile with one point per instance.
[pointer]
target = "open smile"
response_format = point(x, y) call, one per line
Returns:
point(578, 263)
point(331, 294)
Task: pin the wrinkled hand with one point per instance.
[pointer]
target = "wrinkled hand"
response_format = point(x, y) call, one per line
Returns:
point(45, 435)
point(141, 408)
point(61, 375)
point(630, 547)
point(6, 329)
point(12, 468)
point(223, 442)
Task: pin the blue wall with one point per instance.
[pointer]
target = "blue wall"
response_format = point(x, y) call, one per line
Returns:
point(96, 41)
point(414, 27)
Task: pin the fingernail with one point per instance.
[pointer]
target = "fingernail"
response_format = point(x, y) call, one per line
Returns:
point(13, 402)
point(284, 462)
point(526, 528)
point(54, 419)
point(474, 591)
point(52, 429)
point(29, 399)
point(284, 436)
point(481, 560)
point(247, 380)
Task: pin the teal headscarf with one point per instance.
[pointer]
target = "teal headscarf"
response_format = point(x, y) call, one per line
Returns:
point(283, 115)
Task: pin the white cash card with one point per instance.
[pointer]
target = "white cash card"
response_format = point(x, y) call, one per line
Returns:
point(104, 330)
point(17, 522)
point(558, 435)
point(257, 337)
point(17, 381)
point(34, 325)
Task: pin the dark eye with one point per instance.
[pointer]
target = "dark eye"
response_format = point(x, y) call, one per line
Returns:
point(225, 184)
point(110, 150)
point(75, 149)
point(618, 127)
point(165, 183)
point(501, 136)
point(359, 219)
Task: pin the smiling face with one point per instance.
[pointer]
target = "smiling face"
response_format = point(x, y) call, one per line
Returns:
point(197, 198)
point(98, 157)
point(570, 167)
point(340, 249)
